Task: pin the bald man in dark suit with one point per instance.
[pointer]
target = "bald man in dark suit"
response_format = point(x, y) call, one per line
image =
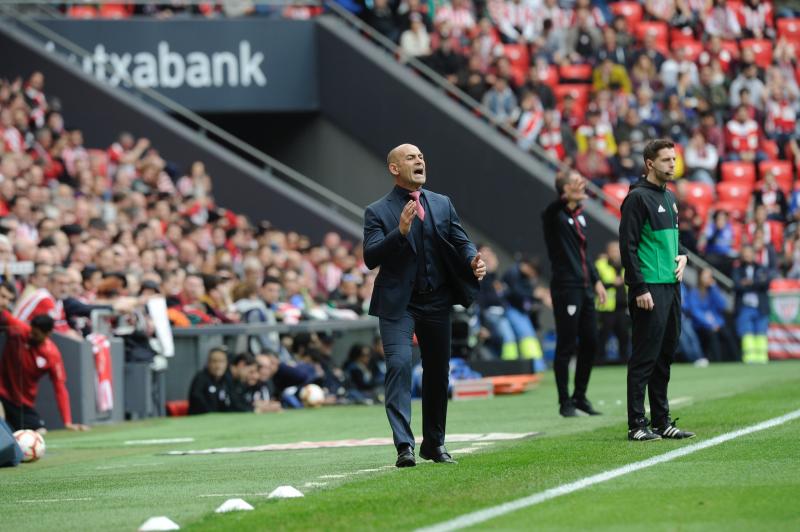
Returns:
point(427, 264)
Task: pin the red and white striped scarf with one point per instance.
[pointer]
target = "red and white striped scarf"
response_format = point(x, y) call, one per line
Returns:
point(101, 348)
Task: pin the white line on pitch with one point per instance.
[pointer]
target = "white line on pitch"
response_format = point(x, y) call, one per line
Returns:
point(226, 495)
point(314, 484)
point(332, 476)
point(122, 466)
point(56, 500)
point(159, 442)
point(474, 518)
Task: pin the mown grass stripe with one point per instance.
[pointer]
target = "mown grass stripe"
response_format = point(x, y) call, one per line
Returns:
point(481, 516)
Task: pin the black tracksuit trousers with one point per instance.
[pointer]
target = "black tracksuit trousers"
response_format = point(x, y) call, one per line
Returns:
point(576, 334)
point(655, 340)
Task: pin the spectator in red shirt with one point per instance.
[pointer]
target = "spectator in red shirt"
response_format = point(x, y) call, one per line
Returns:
point(742, 137)
point(28, 355)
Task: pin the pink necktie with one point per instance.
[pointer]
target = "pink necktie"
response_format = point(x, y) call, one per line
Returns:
point(420, 208)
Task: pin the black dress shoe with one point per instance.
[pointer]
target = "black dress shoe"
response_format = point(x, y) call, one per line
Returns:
point(567, 409)
point(438, 455)
point(405, 458)
point(585, 406)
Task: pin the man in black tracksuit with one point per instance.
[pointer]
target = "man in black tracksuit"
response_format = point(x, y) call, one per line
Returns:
point(573, 284)
point(654, 262)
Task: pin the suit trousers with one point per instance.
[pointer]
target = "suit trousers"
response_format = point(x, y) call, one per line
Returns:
point(429, 317)
point(655, 339)
point(576, 334)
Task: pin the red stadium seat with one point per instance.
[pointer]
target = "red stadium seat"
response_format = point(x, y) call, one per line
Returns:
point(733, 191)
point(179, 407)
point(699, 194)
point(82, 12)
point(692, 49)
point(762, 48)
point(734, 198)
point(739, 172)
point(114, 11)
point(732, 47)
point(575, 73)
point(770, 148)
point(615, 194)
point(678, 35)
point(518, 55)
point(660, 29)
point(789, 29)
point(578, 91)
point(548, 76)
point(781, 169)
point(631, 11)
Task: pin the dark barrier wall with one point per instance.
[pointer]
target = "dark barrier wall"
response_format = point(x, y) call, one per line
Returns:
point(205, 65)
point(494, 185)
point(102, 112)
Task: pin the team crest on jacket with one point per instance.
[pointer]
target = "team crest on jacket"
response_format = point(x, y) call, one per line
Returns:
point(41, 362)
point(571, 309)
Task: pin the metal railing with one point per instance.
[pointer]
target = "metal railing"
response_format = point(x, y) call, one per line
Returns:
point(276, 168)
point(248, 329)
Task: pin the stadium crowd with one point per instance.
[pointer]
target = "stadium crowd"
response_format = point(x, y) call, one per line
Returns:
point(587, 82)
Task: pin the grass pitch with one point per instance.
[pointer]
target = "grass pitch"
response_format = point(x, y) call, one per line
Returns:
point(95, 481)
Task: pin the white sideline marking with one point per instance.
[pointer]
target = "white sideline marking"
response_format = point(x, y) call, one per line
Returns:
point(368, 470)
point(56, 500)
point(314, 484)
point(474, 518)
point(122, 466)
point(159, 442)
point(333, 476)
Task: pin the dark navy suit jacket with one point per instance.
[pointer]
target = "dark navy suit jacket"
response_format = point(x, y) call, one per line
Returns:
point(386, 247)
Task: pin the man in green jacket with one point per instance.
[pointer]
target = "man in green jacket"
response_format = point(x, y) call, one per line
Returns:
point(654, 262)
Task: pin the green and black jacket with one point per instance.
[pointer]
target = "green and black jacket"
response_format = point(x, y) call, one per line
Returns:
point(648, 237)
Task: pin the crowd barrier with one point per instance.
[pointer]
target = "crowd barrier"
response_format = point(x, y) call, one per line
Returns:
point(784, 319)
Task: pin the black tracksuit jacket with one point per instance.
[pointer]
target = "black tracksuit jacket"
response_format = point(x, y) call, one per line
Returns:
point(565, 236)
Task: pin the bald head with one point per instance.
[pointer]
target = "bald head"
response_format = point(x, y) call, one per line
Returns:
point(407, 164)
point(397, 153)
